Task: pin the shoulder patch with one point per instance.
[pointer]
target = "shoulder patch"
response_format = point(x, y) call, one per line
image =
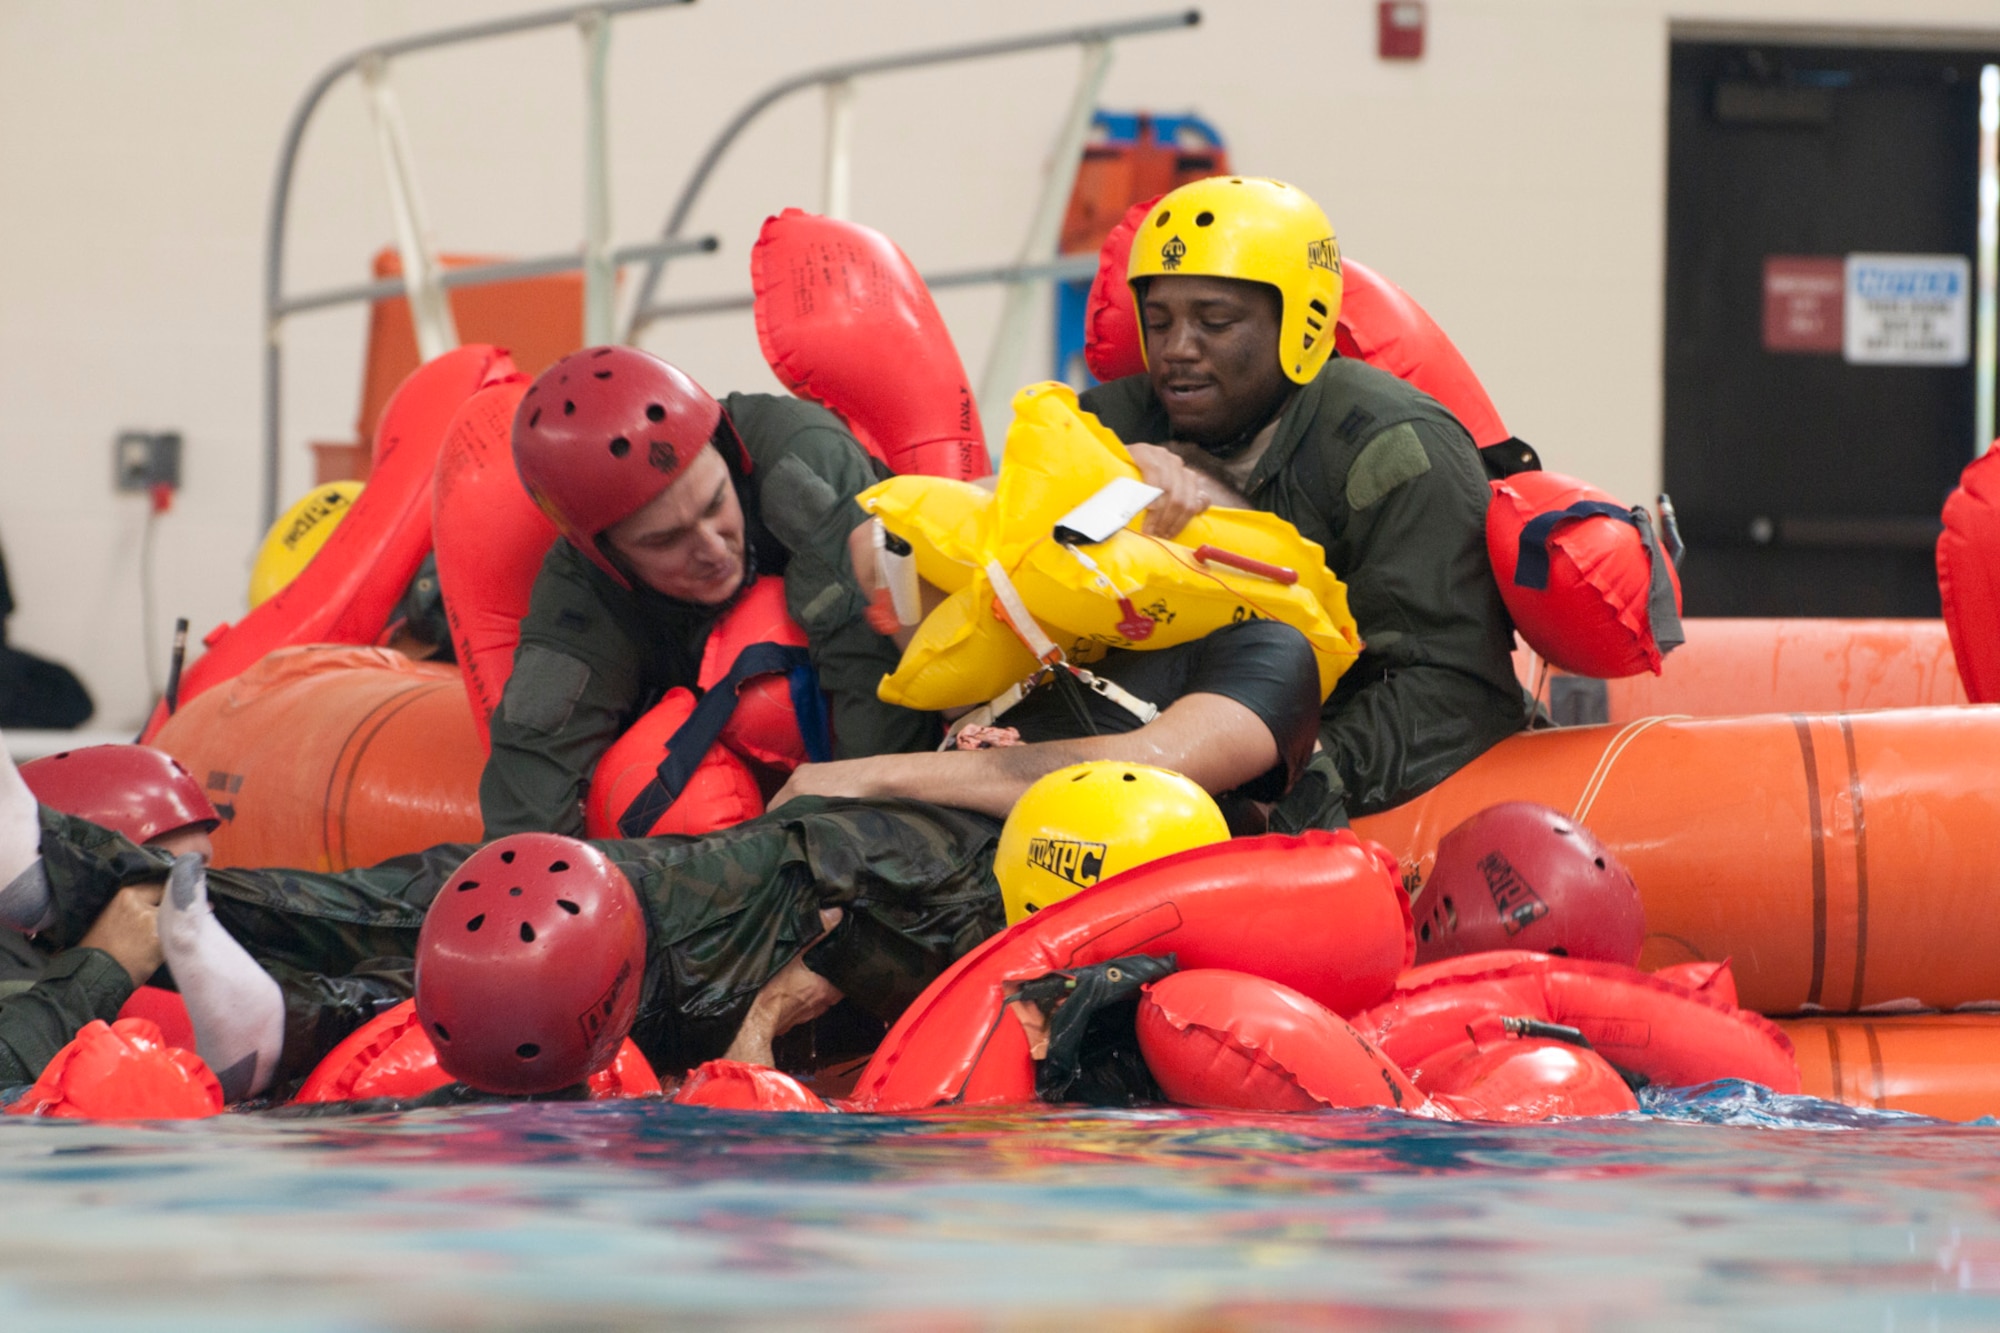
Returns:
point(542, 692)
point(795, 500)
point(1391, 458)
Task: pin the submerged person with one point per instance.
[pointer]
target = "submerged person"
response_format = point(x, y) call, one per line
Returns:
point(670, 506)
point(749, 930)
point(152, 801)
point(1245, 403)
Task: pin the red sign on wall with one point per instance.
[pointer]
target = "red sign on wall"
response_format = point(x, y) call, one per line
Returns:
point(1804, 303)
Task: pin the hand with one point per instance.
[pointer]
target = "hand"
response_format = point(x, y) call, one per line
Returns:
point(796, 995)
point(841, 777)
point(1185, 493)
point(128, 929)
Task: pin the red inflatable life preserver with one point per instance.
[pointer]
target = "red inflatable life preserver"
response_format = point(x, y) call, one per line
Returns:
point(491, 540)
point(1968, 562)
point(1232, 1041)
point(1319, 913)
point(122, 1071)
point(1674, 1036)
point(844, 319)
point(732, 1085)
point(347, 592)
point(719, 792)
point(392, 1056)
point(1583, 577)
point(1499, 1074)
point(1378, 323)
point(764, 728)
point(165, 1010)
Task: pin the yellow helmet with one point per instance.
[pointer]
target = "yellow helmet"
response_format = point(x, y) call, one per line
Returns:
point(297, 536)
point(1256, 230)
point(1091, 821)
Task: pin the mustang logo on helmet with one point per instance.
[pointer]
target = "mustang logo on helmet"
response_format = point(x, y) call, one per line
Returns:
point(1172, 253)
point(662, 456)
point(1323, 254)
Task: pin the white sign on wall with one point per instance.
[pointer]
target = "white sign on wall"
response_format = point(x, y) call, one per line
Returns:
point(1909, 310)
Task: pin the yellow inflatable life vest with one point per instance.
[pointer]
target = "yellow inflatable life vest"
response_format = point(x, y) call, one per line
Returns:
point(297, 536)
point(1130, 591)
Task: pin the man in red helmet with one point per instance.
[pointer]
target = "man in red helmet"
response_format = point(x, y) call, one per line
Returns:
point(49, 997)
point(670, 505)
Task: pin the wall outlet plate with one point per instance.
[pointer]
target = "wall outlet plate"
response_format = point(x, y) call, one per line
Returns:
point(141, 460)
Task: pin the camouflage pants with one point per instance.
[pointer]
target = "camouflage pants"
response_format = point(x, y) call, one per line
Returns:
point(724, 913)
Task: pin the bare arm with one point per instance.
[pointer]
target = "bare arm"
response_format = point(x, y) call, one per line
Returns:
point(1212, 739)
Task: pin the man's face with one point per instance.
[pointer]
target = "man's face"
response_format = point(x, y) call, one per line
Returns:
point(1212, 352)
point(191, 840)
point(687, 543)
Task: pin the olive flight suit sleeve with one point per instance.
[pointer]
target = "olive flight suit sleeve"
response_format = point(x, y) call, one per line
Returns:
point(79, 986)
point(1434, 686)
point(576, 685)
point(809, 471)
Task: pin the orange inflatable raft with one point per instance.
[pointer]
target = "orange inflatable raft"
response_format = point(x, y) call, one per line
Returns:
point(1842, 861)
point(1734, 668)
point(324, 758)
point(1946, 1065)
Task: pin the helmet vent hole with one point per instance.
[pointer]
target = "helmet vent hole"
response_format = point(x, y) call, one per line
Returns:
point(469, 884)
point(569, 408)
point(1079, 777)
point(1131, 777)
point(514, 892)
point(620, 446)
point(568, 906)
point(654, 412)
point(1162, 220)
point(527, 1050)
point(1319, 307)
point(602, 351)
point(507, 858)
point(602, 374)
point(1600, 863)
point(535, 417)
point(1204, 218)
point(527, 933)
point(476, 922)
point(1559, 952)
point(557, 867)
point(438, 1031)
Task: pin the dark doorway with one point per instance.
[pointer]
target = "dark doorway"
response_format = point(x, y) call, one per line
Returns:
point(1808, 482)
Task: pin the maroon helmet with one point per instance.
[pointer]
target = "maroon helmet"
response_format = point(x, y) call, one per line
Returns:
point(135, 790)
point(529, 964)
point(1522, 876)
point(605, 430)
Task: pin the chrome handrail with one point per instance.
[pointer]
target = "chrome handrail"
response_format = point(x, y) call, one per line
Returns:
point(422, 279)
point(643, 309)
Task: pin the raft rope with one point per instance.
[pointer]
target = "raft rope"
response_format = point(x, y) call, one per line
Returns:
point(1594, 787)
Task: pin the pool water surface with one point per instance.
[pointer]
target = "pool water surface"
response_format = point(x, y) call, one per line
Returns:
point(1723, 1206)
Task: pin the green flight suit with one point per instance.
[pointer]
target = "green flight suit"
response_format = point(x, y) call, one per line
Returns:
point(40, 1017)
point(724, 912)
point(595, 655)
point(1390, 483)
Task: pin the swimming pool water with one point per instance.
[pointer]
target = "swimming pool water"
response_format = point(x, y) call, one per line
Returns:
point(1725, 1206)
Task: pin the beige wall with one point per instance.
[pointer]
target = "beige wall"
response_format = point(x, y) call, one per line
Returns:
point(1513, 181)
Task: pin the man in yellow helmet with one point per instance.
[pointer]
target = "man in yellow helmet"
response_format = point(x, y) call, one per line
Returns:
point(1237, 283)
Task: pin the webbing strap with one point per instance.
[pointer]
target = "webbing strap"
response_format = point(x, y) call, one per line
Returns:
point(1531, 568)
point(704, 727)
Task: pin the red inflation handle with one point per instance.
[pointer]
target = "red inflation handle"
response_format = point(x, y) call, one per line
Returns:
point(1217, 556)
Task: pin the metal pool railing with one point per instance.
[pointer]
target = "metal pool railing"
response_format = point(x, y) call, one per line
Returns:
point(425, 281)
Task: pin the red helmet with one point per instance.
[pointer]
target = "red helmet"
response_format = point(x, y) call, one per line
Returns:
point(135, 790)
point(529, 964)
point(602, 432)
point(1522, 876)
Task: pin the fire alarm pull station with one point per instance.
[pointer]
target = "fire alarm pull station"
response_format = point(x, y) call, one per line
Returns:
point(1400, 29)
